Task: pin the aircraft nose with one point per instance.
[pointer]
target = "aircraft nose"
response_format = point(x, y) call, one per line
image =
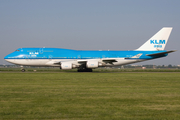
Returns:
point(9, 56)
point(6, 57)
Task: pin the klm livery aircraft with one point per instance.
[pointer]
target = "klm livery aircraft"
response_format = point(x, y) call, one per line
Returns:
point(86, 60)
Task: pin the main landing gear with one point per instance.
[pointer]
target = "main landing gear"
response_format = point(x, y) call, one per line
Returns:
point(22, 69)
point(85, 70)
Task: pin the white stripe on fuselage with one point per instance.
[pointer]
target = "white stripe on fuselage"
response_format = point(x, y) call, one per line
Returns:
point(50, 62)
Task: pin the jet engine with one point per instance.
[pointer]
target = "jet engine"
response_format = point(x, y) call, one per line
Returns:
point(92, 64)
point(66, 66)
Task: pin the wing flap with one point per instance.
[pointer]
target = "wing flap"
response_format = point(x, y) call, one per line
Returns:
point(110, 61)
point(104, 60)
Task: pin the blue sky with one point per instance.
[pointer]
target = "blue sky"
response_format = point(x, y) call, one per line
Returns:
point(88, 25)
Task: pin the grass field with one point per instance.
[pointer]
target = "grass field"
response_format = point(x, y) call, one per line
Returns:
point(87, 96)
point(56, 69)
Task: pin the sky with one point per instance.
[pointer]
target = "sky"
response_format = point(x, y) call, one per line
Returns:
point(88, 25)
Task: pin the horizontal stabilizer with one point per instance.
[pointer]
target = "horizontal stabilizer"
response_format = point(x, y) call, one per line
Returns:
point(162, 53)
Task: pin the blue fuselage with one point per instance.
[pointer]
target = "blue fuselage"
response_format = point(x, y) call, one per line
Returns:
point(58, 53)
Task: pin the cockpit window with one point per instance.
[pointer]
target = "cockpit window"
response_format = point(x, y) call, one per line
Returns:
point(17, 50)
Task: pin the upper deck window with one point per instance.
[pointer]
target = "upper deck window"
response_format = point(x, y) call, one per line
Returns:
point(17, 50)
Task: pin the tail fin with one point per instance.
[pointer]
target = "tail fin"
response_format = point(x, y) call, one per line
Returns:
point(158, 41)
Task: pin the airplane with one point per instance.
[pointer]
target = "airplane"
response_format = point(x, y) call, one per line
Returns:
point(86, 60)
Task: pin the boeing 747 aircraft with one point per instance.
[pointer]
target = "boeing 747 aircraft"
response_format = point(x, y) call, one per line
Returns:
point(86, 60)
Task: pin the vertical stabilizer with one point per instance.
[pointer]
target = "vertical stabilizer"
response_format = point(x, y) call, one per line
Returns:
point(158, 41)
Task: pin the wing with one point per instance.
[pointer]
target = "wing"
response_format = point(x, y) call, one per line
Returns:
point(135, 57)
point(110, 61)
point(104, 60)
point(86, 62)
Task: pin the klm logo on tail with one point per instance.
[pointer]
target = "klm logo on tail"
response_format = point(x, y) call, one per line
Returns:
point(157, 43)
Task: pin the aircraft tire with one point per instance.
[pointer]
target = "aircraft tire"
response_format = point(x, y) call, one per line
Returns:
point(84, 70)
point(23, 70)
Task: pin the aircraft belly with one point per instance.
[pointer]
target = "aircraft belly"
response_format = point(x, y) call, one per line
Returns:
point(10, 60)
point(29, 62)
point(51, 62)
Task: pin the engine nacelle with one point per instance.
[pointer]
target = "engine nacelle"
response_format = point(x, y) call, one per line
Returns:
point(66, 66)
point(92, 64)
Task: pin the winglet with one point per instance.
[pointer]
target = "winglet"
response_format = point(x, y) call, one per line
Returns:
point(158, 41)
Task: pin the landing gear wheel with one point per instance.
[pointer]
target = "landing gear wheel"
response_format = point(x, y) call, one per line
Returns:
point(23, 70)
point(85, 70)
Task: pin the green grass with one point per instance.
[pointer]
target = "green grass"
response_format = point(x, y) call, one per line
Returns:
point(87, 96)
point(56, 69)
